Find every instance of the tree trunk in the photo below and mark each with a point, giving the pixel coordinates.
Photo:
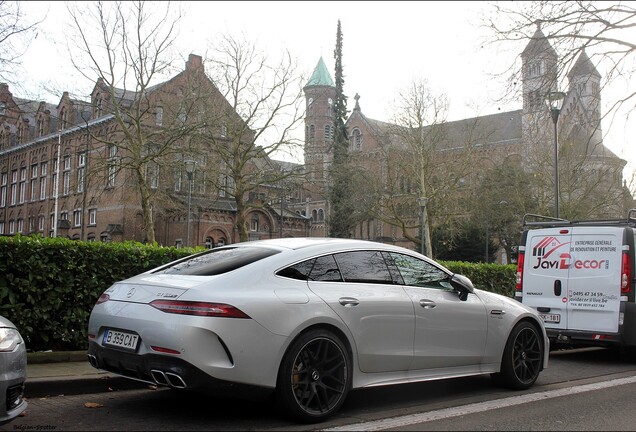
(146, 208)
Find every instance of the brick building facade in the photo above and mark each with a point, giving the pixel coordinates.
(63, 173)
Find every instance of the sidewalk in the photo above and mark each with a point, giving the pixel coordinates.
(66, 373)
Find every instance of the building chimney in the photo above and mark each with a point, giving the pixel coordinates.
(194, 62)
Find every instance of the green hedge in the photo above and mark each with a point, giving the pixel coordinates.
(496, 278)
(48, 286)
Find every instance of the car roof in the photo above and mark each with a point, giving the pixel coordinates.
(305, 242)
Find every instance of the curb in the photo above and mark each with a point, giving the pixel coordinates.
(75, 385)
(80, 383)
(56, 356)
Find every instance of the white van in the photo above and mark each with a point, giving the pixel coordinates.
(579, 276)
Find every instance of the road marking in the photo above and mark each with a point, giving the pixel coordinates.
(473, 408)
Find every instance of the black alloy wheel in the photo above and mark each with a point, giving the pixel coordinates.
(315, 376)
(522, 359)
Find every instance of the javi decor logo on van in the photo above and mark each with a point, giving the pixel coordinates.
(550, 254)
(546, 252)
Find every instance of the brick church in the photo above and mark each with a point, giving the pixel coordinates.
(522, 138)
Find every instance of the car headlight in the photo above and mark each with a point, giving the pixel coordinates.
(9, 339)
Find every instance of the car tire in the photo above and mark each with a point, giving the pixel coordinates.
(314, 376)
(522, 358)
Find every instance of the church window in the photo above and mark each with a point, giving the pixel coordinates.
(356, 140)
(535, 69)
(329, 132)
(312, 131)
(159, 116)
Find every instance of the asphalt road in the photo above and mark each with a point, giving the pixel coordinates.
(459, 404)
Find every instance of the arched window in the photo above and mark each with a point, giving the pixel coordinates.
(63, 118)
(321, 215)
(355, 142)
(159, 116)
(99, 105)
(329, 132)
(314, 216)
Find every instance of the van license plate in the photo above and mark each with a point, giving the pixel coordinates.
(551, 318)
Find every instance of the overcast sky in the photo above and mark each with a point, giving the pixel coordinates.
(386, 44)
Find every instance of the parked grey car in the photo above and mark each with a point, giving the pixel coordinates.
(13, 372)
(308, 320)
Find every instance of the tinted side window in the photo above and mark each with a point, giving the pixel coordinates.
(364, 266)
(326, 270)
(218, 261)
(417, 272)
(298, 271)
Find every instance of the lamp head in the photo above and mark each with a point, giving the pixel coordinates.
(189, 166)
(554, 100)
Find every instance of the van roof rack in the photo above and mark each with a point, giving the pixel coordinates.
(535, 220)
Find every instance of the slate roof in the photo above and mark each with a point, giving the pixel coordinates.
(495, 129)
(583, 66)
(538, 46)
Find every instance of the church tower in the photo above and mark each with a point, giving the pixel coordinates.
(320, 93)
(538, 77)
(584, 102)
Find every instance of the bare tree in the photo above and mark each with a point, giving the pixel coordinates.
(604, 30)
(265, 107)
(127, 46)
(16, 33)
(417, 134)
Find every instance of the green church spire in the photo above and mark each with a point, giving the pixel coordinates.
(320, 76)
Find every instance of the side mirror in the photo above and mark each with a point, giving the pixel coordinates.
(462, 285)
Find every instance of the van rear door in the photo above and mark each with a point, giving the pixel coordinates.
(545, 274)
(595, 279)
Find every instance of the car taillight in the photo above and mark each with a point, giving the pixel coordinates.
(519, 275)
(220, 310)
(626, 275)
(102, 299)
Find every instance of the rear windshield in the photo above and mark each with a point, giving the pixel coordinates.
(218, 261)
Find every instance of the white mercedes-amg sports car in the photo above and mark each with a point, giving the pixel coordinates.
(308, 320)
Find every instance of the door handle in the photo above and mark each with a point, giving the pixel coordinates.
(557, 288)
(428, 304)
(348, 301)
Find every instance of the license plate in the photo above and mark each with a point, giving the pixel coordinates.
(551, 318)
(121, 339)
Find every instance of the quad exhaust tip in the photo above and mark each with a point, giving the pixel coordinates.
(168, 379)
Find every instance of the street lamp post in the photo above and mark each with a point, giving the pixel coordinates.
(189, 168)
(555, 103)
